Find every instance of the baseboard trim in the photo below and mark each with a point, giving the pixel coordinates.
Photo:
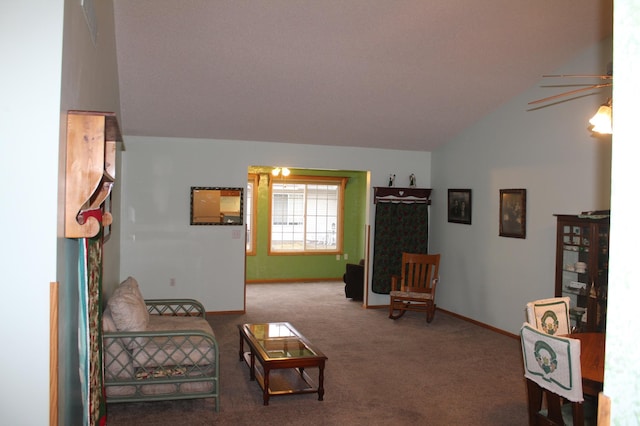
(480, 324)
(293, 280)
(377, 306)
(462, 317)
(240, 312)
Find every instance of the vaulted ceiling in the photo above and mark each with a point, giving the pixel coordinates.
(400, 74)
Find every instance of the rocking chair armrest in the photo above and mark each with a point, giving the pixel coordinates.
(434, 284)
(395, 282)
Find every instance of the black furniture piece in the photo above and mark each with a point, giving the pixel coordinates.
(354, 280)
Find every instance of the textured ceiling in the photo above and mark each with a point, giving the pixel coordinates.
(401, 74)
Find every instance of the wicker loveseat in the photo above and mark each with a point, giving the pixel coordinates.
(157, 349)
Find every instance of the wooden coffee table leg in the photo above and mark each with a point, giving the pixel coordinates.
(265, 391)
(241, 352)
(252, 366)
(321, 382)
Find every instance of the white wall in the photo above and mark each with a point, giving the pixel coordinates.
(31, 51)
(551, 154)
(622, 375)
(89, 82)
(206, 261)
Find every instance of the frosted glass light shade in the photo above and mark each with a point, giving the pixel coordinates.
(601, 121)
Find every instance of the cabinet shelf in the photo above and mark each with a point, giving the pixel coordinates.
(90, 171)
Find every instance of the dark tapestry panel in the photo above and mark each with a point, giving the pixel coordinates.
(90, 329)
(400, 227)
(97, 401)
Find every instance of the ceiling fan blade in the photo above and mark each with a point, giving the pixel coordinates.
(571, 92)
(601, 77)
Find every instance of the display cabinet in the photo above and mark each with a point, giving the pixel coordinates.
(582, 267)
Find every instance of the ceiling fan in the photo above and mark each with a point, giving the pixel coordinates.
(601, 121)
(605, 77)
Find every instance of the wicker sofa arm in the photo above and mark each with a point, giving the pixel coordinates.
(157, 349)
(179, 364)
(175, 307)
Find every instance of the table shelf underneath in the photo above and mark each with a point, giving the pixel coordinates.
(283, 381)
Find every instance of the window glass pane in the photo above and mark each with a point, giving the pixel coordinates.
(304, 216)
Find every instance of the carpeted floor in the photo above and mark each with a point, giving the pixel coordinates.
(379, 371)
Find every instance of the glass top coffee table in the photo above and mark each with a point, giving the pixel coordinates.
(282, 354)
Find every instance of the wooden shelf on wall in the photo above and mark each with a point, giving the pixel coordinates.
(90, 171)
(391, 194)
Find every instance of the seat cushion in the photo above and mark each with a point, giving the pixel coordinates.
(411, 295)
(173, 350)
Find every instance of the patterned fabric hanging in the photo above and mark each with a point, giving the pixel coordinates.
(90, 329)
(399, 227)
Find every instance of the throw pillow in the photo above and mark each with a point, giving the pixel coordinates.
(128, 311)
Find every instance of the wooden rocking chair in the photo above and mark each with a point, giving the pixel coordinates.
(415, 288)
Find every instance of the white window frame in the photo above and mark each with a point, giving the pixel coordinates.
(309, 233)
(251, 205)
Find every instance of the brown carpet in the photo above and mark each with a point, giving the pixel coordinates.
(379, 372)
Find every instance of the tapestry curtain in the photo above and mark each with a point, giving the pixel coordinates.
(90, 329)
(400, 227)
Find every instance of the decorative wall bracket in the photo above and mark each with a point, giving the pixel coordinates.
(90, 172)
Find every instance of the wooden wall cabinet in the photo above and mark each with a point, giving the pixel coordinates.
(90, 171)
(582, 267)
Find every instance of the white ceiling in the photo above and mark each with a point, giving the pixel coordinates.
(401, 74)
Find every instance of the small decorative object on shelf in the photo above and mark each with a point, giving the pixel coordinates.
(412, 180)
(392, 180)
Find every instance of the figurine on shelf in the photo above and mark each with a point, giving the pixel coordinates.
(412, 180)
(392, 180)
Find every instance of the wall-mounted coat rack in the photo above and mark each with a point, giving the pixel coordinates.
(91, 171)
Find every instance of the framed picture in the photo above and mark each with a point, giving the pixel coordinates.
(216, 206)
(460, 206)
(513, 213)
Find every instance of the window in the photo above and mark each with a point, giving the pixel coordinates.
(250, 203)
(307, 214)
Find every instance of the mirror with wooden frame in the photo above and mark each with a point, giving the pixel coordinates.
(216, 206)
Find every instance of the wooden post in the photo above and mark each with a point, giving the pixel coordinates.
(53, 354)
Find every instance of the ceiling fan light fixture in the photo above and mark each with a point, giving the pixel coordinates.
(601, 121)
(280, 170)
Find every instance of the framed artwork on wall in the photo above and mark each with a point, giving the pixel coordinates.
(513, 213)
(459, 205)
(216, 206)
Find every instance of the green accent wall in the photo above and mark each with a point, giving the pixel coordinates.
(262, 267)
